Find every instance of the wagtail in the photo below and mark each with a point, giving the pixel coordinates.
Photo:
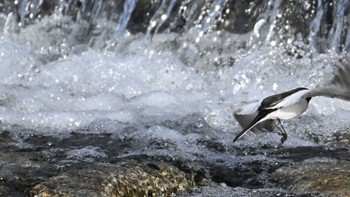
(291, 104)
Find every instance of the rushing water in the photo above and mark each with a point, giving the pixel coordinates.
(166, 75)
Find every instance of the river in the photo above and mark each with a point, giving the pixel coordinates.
(101, 93)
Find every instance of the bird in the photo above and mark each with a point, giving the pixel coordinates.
(265, 113)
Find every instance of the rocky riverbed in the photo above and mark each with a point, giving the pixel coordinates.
(91, 164)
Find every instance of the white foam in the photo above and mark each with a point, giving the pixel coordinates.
(136, 78)
(88, 153)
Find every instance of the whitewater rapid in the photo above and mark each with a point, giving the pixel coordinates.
(134, 77)
(87, 86)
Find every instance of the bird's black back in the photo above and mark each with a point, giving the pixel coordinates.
(270, 101)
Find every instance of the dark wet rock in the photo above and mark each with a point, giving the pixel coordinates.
(127, 179)
(302, 153)
(200, 173)
(328, 178)
(252, 174)
(211, 144)
(148, 180)
(82, 164)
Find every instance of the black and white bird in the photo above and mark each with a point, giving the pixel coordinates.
(263, 114)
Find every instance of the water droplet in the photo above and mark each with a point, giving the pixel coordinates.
(273, 43)
(164, 17)
(217, 8)
(274, 87)
(153, 24)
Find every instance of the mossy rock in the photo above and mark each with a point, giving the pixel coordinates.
(128, 179)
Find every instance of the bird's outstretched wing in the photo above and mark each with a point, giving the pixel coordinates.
(252, 124)
(246, 113)
(339, 85)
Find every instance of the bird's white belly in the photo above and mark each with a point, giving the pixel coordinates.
(290, 111)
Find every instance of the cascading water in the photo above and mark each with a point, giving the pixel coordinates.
(124, 18)
(110, 94)
(322, 21)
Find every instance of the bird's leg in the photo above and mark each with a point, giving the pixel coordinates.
(282, 132)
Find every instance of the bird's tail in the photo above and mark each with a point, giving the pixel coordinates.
(339, 85)
(257, 119)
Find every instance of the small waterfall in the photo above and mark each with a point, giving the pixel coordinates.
(335, 32)
(214, 16)
(28, 10)
(160, 16)
(321, 24)
(272, 19)
(315, 25)
(124, 18)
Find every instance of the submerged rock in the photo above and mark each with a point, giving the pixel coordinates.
(329, 178)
